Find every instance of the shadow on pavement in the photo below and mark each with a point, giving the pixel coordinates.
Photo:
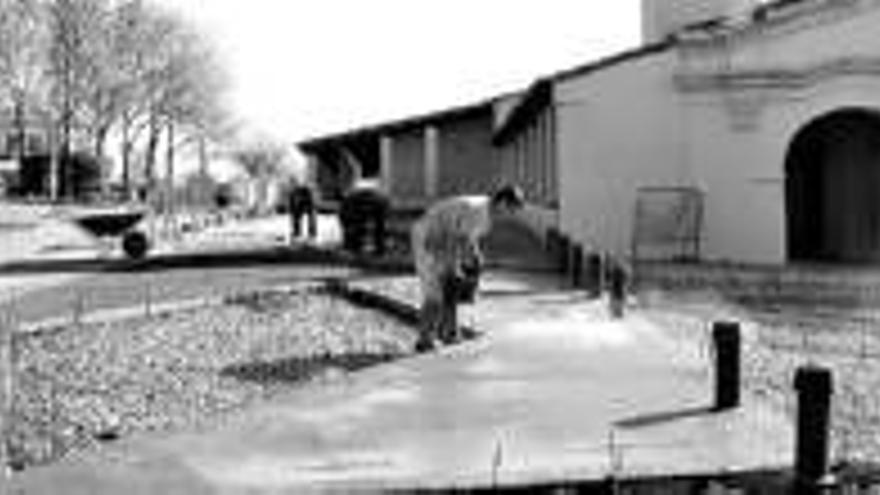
(297, 369)
(225, 259)
(653, 419)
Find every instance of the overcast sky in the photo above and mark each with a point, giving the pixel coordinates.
(302, 68)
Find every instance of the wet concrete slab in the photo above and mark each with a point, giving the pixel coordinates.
(554, 391)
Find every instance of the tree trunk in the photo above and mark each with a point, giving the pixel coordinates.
(152, 148)
(101, 141)
(54, 168)
(169, 178)
(100, 148)
(66, 128)
(169, 163)
(21, 132)
(126, 155)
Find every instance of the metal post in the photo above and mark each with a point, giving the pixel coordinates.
(726, 338)
(78, 307)
(617, 280)
(577, 265)
(148, 299)
(8, 328)
(595, 272)
(564, 252)
(550, 242)
(7, 368)
(814, 386)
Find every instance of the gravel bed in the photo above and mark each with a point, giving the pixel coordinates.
(76, 386)
(784, 337)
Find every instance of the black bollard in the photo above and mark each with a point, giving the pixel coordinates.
(563, 254)
(577, 265)
(814, 386)
(617, 289)
(595, 275)
(380, 236)
(551, 242)
(726, 339)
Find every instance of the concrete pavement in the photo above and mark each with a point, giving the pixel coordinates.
(554, 391)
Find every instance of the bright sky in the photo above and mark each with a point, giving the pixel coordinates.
(302, 68)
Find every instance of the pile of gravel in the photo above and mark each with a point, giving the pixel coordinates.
(78, 385)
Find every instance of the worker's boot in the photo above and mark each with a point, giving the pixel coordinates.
(429, 325)
(447, 320)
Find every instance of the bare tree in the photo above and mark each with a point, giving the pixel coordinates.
(77, 56)
(173, 84)
(261, 158)
(190, 102)
(23, 58)
(102, 69)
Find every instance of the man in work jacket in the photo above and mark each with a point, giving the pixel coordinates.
(445, 242)
(301, 203)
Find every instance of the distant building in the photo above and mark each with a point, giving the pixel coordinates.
(416, 160)
(259, 194)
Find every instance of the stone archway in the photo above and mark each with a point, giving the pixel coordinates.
(833, 189)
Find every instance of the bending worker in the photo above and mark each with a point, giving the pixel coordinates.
(448, 260)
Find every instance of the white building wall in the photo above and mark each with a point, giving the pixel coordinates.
(663, 17)
(741, 165)
(738, 134)
(636, 124)
(830, 31)
(617, 130)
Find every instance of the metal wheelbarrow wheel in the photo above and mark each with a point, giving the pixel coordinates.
(135, 244)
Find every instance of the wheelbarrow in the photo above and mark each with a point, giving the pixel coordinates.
(116, 223)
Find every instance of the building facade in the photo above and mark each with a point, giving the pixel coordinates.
(741, 130)
(769, 116)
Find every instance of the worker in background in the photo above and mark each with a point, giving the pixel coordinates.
(301, 203)
(448, 259)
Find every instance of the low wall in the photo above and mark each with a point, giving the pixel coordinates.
(820, 284)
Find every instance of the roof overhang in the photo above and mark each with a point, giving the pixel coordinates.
(398, 126)
(540, 95)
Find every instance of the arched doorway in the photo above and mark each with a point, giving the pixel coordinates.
(833, 189)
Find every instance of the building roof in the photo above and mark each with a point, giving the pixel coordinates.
(540, 94)
(401, 125)
(759, 17)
